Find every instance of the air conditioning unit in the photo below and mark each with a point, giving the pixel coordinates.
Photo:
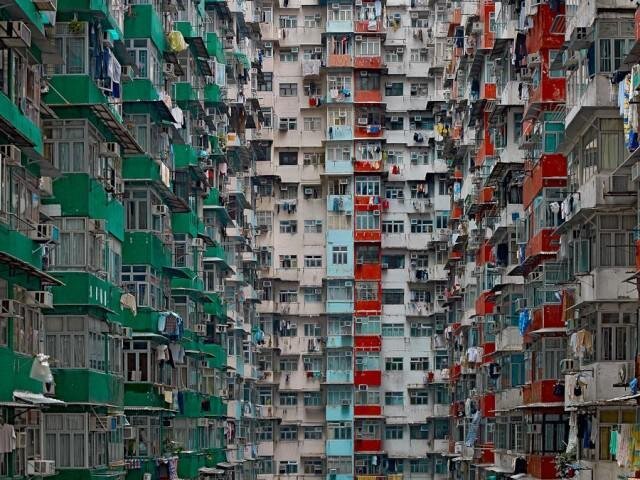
(197, 243)
(9, 308)
(266, 283)
(362, 121)
(343, 181)
(414, 256)
(169, 69)
(400, 50)
(15, 35)
(363, 388)
(130, 433)
(476, 27)
(221, 328)
(335, 6)
(359, 38)
(414, 15)
(534, 59)
(358, 3)
(42, 299)
(161, 210)
(376, 212)
(317, 50)
(385, 266)
(11, 155)
(45, 233)
(308, 191)
(110, 149)
(295, 50)
(348, 283)
(41, 468)
(103, 424)
(21, 440)
(203, 422)
(200, 328)
(346, 403)
(567, 365)
(395, 119)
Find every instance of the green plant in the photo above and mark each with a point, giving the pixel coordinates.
(76, 26)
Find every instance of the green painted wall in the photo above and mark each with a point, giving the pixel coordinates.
(144, 248)
(144, 22)
(88, 386)
(15, 374)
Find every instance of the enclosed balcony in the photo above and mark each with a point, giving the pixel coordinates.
(368, 403)
(368, 436)
(369, 123)
(368, 332)
(368, 19)
(368, 52)
(549, 171)
(368, 369)
(339, 51)
(368, 87)
(367, 224)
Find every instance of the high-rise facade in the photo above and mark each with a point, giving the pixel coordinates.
(542, 296)
(351, 210)
(127, 220)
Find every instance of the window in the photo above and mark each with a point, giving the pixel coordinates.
(339, 361)
(288, 467)
(143, 282)
(393, 364)
(265, 82)
(73, 49)
(342, 465)
(288, 21)
(442, 219)
(419, 363)
(312, 21)
(394, 398)
(288, 123)
(339, 254)
(420, 296)
(288, 261)
(393, 432)
(312, 399)
(393, 262)
(420, 330)
(288, 398)
(339, 431)
(421, 225)
(367, 361)
(394, 89)
(421, 431)
(419, 55)
(313, 433)
(312, 124)
(394, 123)
(267, 122)
(366, 291)
(288, 226)
(288, 364)
(367, 186)
(611, 53)
(288, 296)
(72, 341)
(313, 261)
(419, 89)
(615, 335)
(393, 296)
(393, 226)
(79, 248)
(287, 55)
(65, 440)
(369, 325)
(288, 89)
(289, 433)
(394, 55)
(393, 330)
(368, 47)
(421, 465)
(264, 465)
(340, 291)
(264, 218)
(367, 220)
(313, 158)
(288, 158)
(313, 226)
(616, 232)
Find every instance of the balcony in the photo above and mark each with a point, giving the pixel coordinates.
(366, 341)
(339, 376)
(339, 447)
(549, 171)
(368, 96)
(540, 393)
(373, 378)
(369, 131)
(367, 235)
(485, 304)
(340, 204)
(340, 133)
(367, 271)
(548, 90)
(368, 61)
(543, 244)
(368, 445)
(335, 60)
(339, 26)
(367, 410)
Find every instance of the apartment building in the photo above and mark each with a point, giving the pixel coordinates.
(542, 297)
(351, 208)
(128, 325)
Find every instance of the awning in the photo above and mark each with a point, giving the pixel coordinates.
(210, 471)
(497, 469)
(624, 398)
(225, 465)
(243, 59)
(540, 405)
(36, 398)
(542, 331)
(28, 269)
